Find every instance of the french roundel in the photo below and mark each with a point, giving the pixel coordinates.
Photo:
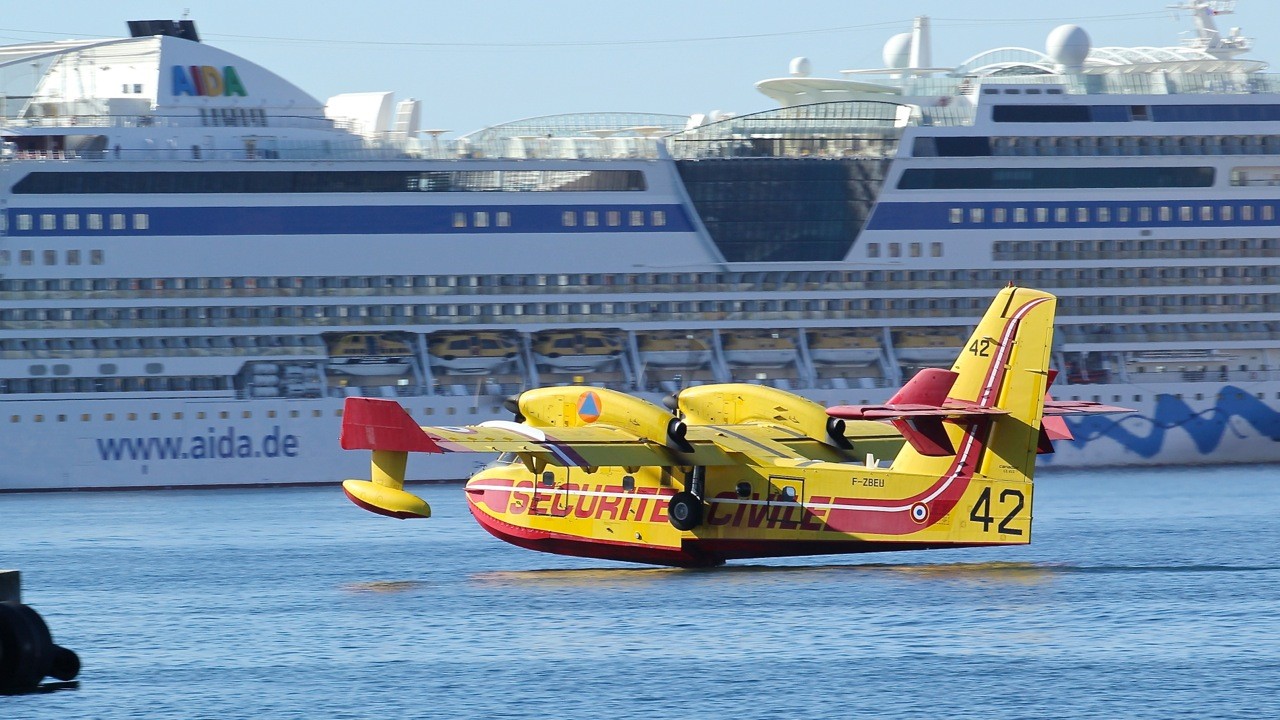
(589, 406)
(919, 512)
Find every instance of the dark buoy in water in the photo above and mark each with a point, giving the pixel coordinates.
(27, 652)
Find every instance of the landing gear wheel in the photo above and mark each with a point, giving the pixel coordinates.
(684, 511)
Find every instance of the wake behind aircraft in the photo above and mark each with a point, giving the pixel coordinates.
(744, 471)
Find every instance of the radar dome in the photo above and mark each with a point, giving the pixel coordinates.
(897, 51)
(800, 67)
(1068, 45)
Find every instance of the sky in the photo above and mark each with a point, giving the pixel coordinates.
(475, 64)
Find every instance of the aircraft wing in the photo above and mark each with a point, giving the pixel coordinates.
(375, 424)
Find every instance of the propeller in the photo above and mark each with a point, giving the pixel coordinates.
(512, 405)
(672, 402)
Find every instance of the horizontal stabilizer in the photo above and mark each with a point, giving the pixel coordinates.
(1080, 407)
(950, 409)
(928, 387)
(373, 424)
(926, 435)
(1056, 428)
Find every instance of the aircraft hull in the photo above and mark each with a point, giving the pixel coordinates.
(593, 516)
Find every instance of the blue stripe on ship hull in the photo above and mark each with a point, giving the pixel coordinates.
(937, 215)
(351, 220)
(1145, 436)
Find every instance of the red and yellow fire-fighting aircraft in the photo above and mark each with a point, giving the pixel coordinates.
(744, 471)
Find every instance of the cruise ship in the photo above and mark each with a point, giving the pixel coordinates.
(199, 260)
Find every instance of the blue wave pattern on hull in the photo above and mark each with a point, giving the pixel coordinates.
(1206, 428)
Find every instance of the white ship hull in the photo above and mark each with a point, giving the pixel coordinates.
(182, 267)
(295, 441)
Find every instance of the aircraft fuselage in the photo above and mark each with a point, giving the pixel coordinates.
(749, 511)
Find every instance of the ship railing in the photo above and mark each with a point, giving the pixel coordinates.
(1150, 83)
(268, 123)
(338, 150)
(751, 314)
(1210, 374)
(71, 354)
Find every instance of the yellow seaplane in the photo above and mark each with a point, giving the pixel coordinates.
(741, 471)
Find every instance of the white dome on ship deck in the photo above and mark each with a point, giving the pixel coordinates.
(800, 67)
(1068, 45)
(897, 51)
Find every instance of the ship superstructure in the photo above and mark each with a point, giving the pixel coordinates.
(200, 260)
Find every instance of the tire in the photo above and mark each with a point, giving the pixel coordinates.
(684, 510)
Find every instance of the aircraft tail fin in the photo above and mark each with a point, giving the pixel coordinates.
(994, 395)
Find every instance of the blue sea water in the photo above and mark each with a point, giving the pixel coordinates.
(1145, 594)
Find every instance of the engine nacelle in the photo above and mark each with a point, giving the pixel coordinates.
(740, 404)
(577, 406)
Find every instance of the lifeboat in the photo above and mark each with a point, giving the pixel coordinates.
(577, 350)
(759, 348)
(674, 348)
(843, 346)
(927, 347)
(369, 354)
(472, 353)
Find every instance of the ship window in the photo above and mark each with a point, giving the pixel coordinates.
(1246, 212)
(658, 218)
(117, 221)
(1268, 212)
(71, 221)
(1082, 214)
(998, 214)
(26, 257)
(50, 257)
(481, 219)
(141, 221)
(873, 250)
(590, 218)
(24, 221)
(975, 215)
(48, 221)
(1122, 214)
(459, 220)
(502, 219)
(1184, 213)
(1225, 212)
(1060, 215)
(4, 257)
(636, 218)
(895, 249)
(613, 218)
(1166, 213)
(957, 215)
(1042, 214)
(935, 249)
(916, 249)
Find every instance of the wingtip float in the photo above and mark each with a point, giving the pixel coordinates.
(743, 471)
